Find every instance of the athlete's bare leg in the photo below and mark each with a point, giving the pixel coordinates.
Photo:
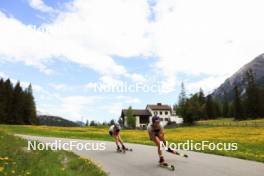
(157, 142)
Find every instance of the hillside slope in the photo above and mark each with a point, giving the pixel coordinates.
(257, 65)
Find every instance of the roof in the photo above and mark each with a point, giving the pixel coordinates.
(138, 112)
(159, 106)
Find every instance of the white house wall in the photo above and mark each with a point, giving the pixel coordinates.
(163, 116)
(137, 121)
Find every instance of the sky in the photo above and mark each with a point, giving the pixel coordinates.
(89, 59)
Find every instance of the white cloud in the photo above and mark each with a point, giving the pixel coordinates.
(40, 5)
(89, 34)
(187, 36)
(118, 103)
(207, 84)
(138, 78)
(76, 106)
(60, 87)
(104, 83)
(215, 38)
(128, 99)
(3, 75)
(70, 107)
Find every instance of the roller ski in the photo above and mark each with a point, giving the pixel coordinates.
(167, 166)
(123, 150)
(120, 151)
(177, 153)
(163, 164)
(128, 149)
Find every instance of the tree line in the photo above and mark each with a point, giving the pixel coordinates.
(245, 104)
(17, 105)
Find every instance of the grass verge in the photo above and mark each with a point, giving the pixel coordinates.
(16, 160)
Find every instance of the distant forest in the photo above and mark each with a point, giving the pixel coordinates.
(246, 104)
(17, 105)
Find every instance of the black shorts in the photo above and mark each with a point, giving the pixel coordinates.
(156, 133)
(111, 133)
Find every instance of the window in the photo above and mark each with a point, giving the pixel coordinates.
(166, 119)
(160, 112)
(166, 112)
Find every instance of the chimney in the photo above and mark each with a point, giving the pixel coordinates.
(159, 104)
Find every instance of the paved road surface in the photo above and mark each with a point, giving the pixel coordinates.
(143, 161)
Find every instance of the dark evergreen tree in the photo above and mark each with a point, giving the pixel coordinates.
(181, 102)
(30, 114)
(261, 101)
(7, 99)
(131, 120)
(231, 109)
(93, 123)
(2, 102)
(217, 108)
(87, 123)
(252, 99)
(17, 105)
(210, 107)
(238, 109)
(202, 99)
(225, 106)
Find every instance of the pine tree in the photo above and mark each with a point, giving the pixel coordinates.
(210, 107)
(217, 108)
(17, 105)
(231, 109)
(93, 123)
(182, 96)
(238, 109)
(131, 120)
(7, 99)
(2, 102)
(30, 114)
(252, 99)
(261, 101)
(181, 102)
(87, 123)
(225, 106)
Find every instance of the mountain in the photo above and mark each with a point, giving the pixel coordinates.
(55, 121)
(257, 65)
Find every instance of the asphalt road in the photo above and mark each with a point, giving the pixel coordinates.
(143, 161)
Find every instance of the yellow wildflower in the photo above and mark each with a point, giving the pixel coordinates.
(1, 169)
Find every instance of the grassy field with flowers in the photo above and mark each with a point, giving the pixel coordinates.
(250, 140)
(16, 160)
(232, 122)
